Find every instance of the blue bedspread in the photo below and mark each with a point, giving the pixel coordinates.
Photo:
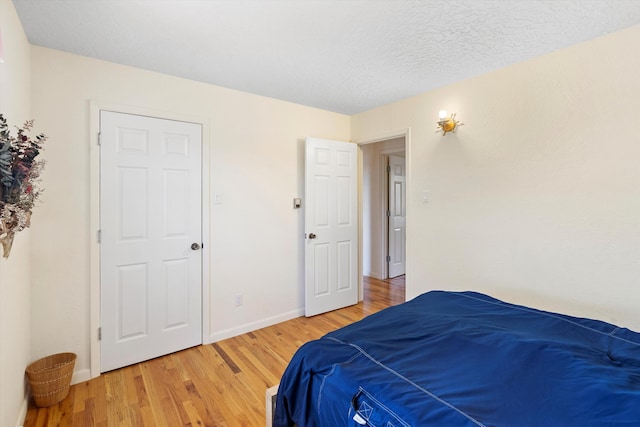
(464, 359)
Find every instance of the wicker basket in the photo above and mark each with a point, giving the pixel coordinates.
(50, 378)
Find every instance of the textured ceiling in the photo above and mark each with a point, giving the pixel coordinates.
(345, 56)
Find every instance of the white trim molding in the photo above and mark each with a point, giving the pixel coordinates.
(253, 326)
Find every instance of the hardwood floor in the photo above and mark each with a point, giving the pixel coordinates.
(220, 384)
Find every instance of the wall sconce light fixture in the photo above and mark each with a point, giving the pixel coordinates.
(447, 124)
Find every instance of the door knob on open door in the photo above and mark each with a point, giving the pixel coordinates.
(312, 236)
(195, 246)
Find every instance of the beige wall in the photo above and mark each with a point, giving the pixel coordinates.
(14, 271)
(255, 155)
(536, 199)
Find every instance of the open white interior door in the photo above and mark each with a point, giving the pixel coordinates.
(397, 216)
(331, 225)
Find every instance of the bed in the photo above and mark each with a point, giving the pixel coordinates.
(464, 359)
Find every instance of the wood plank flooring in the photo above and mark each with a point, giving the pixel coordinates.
(220, 384)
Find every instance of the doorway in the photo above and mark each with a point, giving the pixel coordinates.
(375, 205)
(96, 107)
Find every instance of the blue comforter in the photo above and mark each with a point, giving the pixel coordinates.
(464, 359)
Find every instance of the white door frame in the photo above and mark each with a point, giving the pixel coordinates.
(94, 214)
(400, 133)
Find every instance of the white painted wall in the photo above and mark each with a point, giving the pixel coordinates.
(14, 271)
(373, 189)
(536, 199)
(256, 164)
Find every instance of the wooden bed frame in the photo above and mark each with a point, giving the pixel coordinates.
(270, 404)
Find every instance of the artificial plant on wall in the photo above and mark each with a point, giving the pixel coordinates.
(19, 180)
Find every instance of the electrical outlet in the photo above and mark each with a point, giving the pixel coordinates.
(238, 300)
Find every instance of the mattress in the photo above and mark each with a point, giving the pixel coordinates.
(464, 359)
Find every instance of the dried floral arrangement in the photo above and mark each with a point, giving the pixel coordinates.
(19, 180)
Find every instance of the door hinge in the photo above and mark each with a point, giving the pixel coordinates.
(388, 213)
(99, 138)
(99, 236)
(388, 168)
(388, 258)
(100, 333)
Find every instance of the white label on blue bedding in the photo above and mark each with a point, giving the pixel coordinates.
(357, 418)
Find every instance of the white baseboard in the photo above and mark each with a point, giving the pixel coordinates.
(249, 327)
(80, 376)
